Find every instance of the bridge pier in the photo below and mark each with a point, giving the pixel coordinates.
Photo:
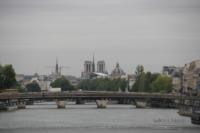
(80, 101)
(185, 108)
(60, 104)
(21, 104)
(101, 103)
(11, 105)
(124, 101)
(140, 103)
(29, 102)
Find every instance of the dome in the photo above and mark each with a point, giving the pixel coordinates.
(117, 72)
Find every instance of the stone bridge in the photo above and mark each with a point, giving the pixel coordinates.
(101, 98)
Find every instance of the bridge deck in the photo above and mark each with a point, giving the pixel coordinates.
(93, 95)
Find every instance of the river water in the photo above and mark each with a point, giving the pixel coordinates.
(46, 118)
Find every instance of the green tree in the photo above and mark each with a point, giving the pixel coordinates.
(62, 83)
(123, 84)
(139, 70)
(1, 78)
(147, 82)
(140, 79)
(149, 78)
(162, 84)
(7, 77)
(103, 84)
(143, 80)
(33, 87)
(20, 88)
(141, 86)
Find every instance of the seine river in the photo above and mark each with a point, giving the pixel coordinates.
(46, 118)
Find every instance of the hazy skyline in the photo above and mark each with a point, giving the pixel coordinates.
(149, 32)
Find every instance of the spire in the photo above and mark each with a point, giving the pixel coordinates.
(57, 71)
(93, 64)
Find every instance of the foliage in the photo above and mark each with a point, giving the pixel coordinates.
(33, 87)
(123, 84)
(162, 84)
(147, 82)
(138, 86)
(20, 88)
(7, 77)
(103, 84)
(139, 70)
(144, 81)
(149, 78)
(62, 83)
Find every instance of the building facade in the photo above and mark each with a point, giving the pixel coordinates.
(90, 72)
(89, 68)
(185, 79)
(101, 65)
(191, 77)
(176, 74)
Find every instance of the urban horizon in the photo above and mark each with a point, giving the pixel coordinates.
(100, 66)
(49, 69)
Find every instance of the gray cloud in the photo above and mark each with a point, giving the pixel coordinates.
(153, 33)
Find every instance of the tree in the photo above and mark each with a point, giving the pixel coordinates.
(7, 77)
(20, 88)
(123, 84)
(1, 78)
(149, 78)
(62, 83)
(103, 84)
(140, 79)
(33, 87)
(143, 80)
(162, 84)
(147, 82)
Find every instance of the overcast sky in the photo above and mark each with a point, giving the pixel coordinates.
(149, 32)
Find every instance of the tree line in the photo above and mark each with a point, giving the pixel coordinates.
(105, 84)
(144, 82)
(151, 82)
(61, 82)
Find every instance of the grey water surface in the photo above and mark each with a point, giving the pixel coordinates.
(46, 118)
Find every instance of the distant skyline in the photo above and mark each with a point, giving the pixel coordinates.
(153, 33)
